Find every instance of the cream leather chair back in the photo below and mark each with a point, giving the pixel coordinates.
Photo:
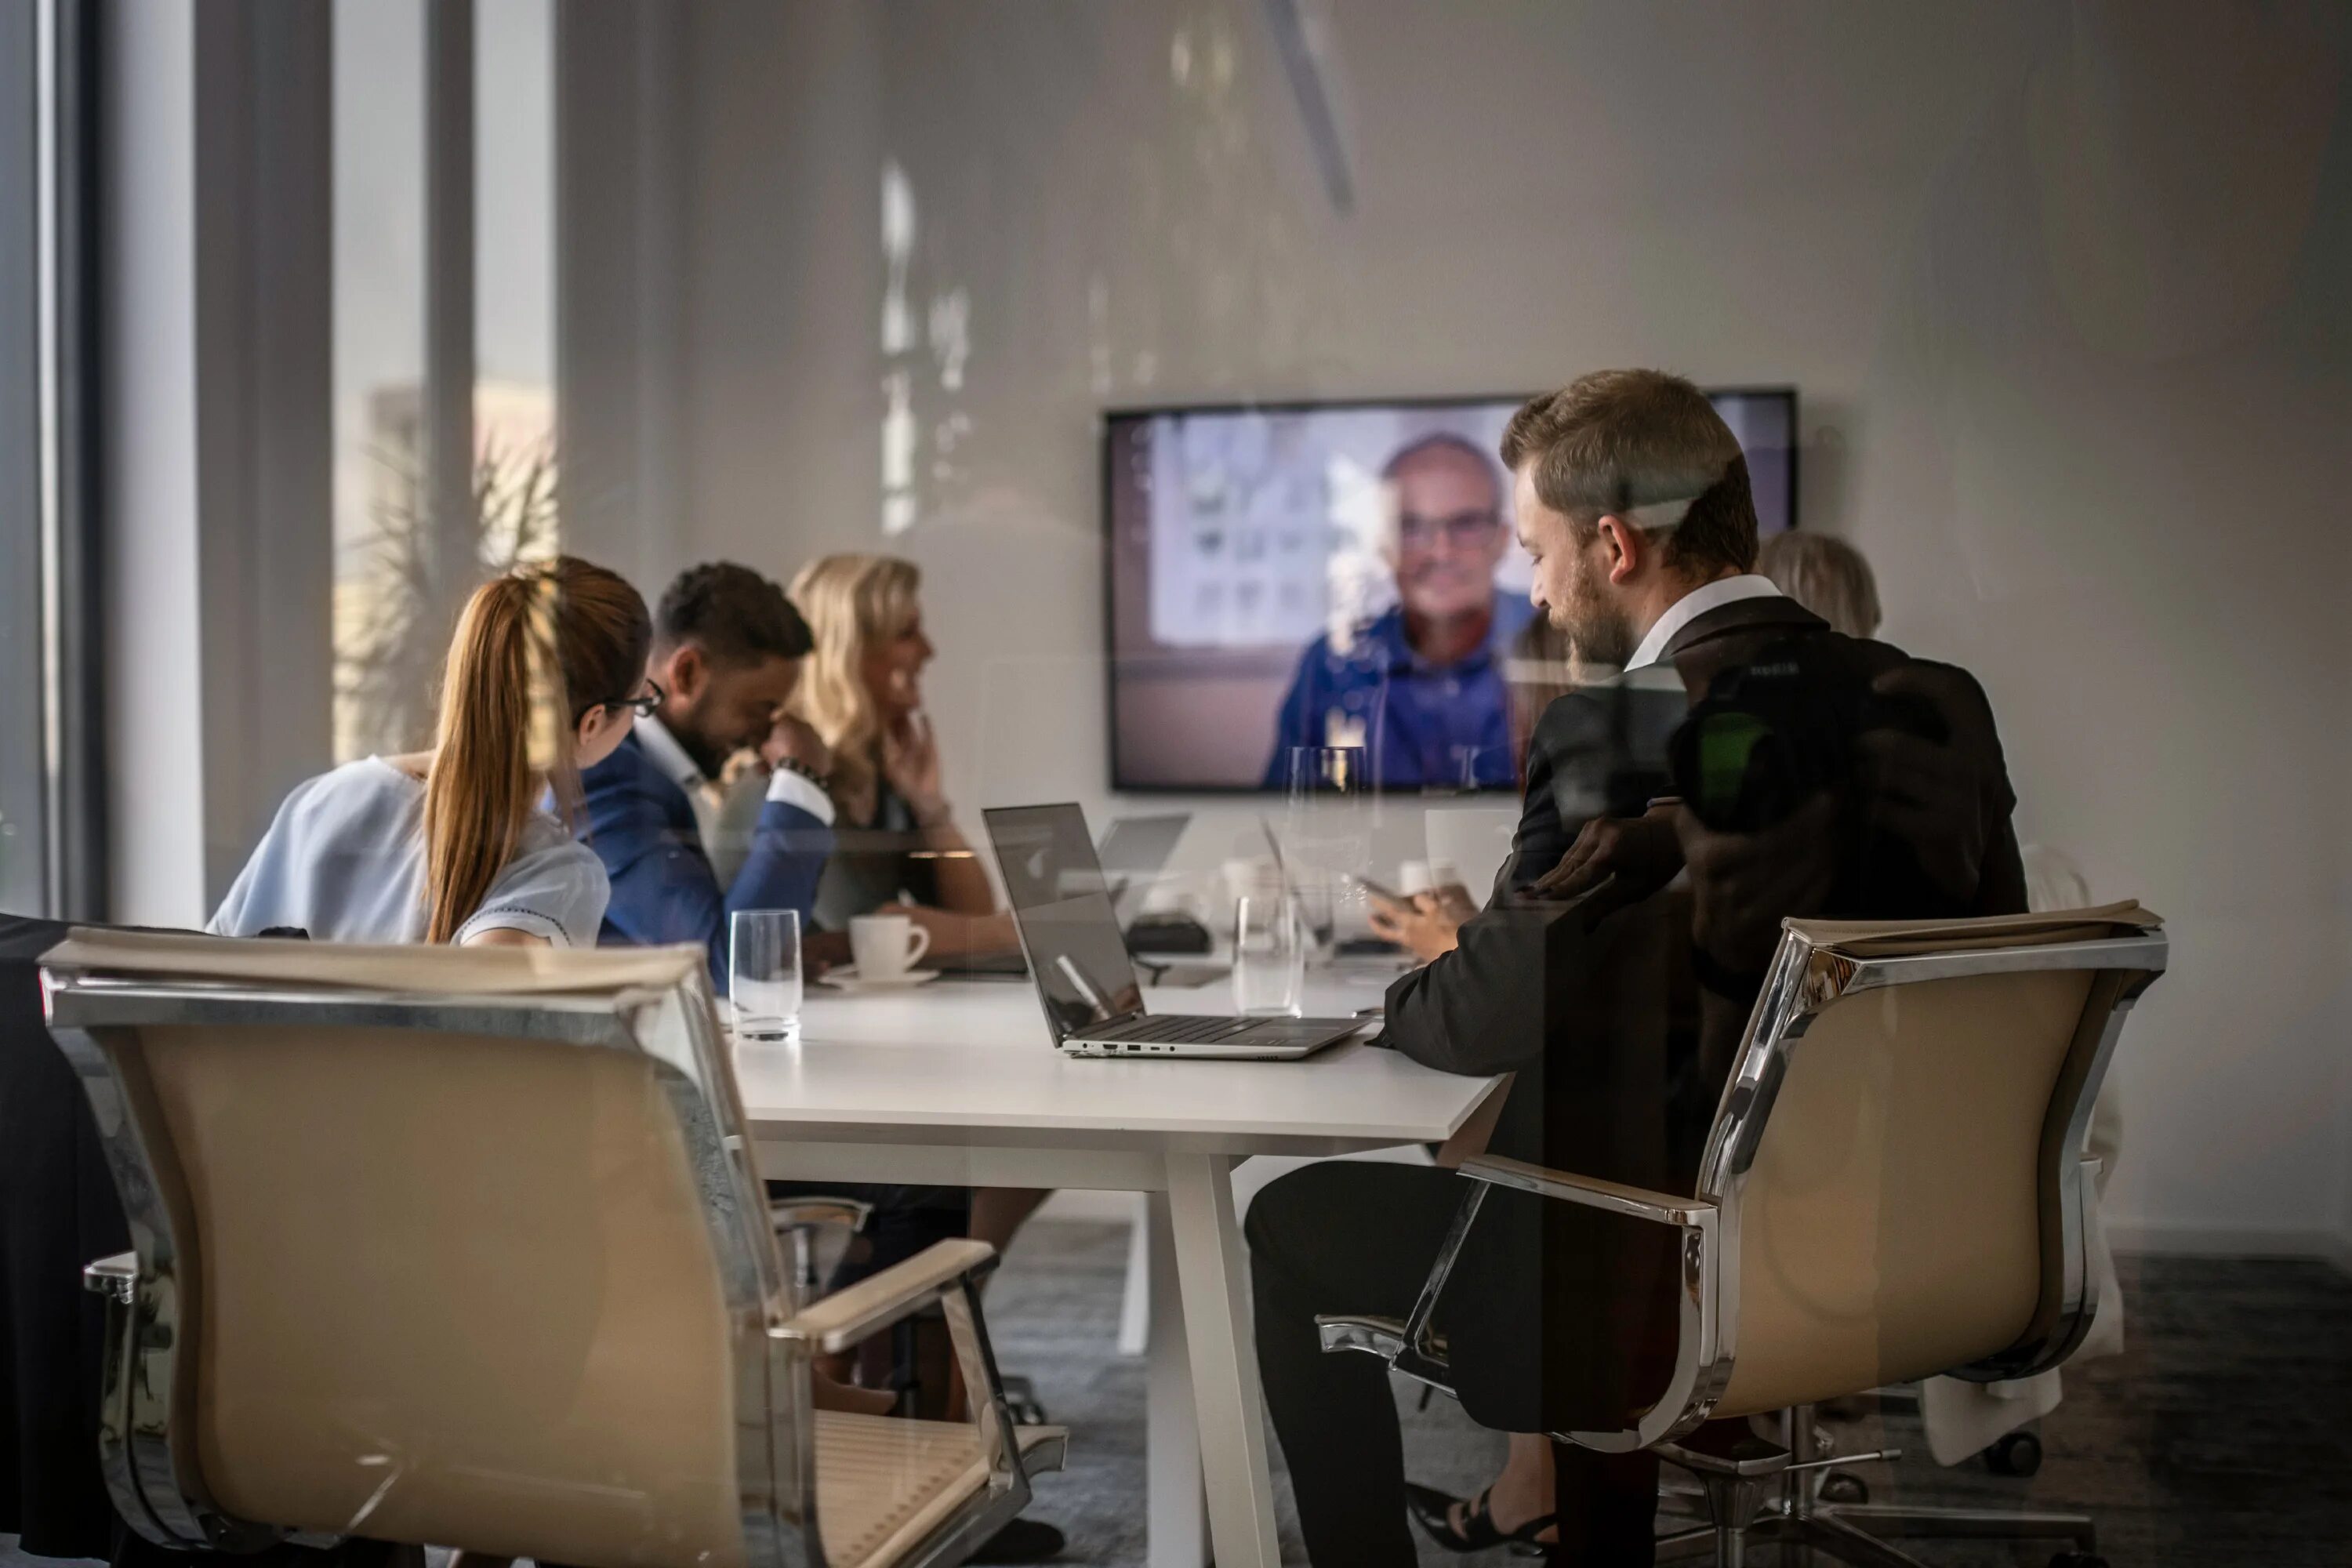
(451, 1246)
(1897, 1161)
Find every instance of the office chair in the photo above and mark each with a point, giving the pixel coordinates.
(466, 1246)
(1893, 1186)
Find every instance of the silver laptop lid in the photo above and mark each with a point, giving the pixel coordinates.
(1077, 956)
(1134, 849)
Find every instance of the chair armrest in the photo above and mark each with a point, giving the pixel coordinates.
(846, 1317)
(1641, 1203)
(116, 1277)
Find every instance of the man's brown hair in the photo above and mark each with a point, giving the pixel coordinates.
(1617, 442)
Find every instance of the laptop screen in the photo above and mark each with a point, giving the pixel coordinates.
(1061, 904)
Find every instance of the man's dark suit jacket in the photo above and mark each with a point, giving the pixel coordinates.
(1599, 1013)
(642, 828)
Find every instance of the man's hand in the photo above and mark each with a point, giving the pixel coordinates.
(1641, 852)
(1743, 885)
(1426, 925)
(824, 950)
(790, 738)
(1931, 795)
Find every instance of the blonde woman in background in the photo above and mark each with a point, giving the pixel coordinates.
(896, 848)
(1826, 576)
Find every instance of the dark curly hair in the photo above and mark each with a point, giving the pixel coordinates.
(732, 613)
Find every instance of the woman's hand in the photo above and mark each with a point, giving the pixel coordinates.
(1427, 924)
(910, 761)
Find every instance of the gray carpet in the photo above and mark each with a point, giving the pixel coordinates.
(2219, 1437)
(2222, 1435)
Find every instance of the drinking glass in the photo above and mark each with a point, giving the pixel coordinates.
(1327, 831)
(1269, 955)
(763, 973)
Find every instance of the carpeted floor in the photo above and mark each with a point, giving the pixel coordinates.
(2220, 1438)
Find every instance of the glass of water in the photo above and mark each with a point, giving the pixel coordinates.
(1328, 832)
(763, 973)
(1269, 956)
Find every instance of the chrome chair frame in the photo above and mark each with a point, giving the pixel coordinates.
(147, 1456)
(1805, 979)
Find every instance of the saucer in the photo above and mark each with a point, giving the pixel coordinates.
(846, 978)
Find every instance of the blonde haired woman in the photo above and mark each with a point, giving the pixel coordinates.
(896, 849)
(1826, 576)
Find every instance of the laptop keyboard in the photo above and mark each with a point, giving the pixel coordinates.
(1191, 1029)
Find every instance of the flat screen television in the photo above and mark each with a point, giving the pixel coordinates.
(1262, 562)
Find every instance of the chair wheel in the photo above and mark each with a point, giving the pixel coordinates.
(1021, 1404)
(2078, 1560)
(1840, 1486)
(2018, 1454)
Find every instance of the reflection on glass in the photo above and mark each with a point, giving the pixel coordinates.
(378, 375)
(392, 599)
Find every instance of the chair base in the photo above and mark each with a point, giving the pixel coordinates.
(1853, 1534)
(1758, 1502)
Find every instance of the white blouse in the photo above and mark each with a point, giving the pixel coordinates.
(345, 861)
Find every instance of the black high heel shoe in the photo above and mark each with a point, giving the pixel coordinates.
(1432, 1511)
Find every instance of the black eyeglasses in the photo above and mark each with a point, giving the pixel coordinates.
(1461, 531)
(645, 701)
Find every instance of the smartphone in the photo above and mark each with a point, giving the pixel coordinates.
(1388, 894)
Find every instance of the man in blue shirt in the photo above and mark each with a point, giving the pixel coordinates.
(1421, 686)
(726, 654)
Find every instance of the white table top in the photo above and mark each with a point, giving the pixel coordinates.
(974, 1056)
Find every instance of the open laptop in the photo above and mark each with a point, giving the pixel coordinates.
(1078, 961)
(1134, 850)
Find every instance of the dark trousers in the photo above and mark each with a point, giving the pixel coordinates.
(1358, 1238)
(905, 1221)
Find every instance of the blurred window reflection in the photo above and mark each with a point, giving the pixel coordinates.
(391, 599)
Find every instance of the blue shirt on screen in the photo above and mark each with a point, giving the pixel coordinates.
(1426, 725)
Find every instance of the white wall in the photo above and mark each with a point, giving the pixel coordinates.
(2062, 290)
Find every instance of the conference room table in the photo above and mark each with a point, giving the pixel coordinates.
(958, 1083)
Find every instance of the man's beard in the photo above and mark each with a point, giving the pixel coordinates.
(1601, 633)
(707, 754)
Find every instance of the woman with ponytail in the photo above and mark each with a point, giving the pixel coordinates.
(454, 845)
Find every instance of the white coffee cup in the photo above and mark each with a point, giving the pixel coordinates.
(886, 946)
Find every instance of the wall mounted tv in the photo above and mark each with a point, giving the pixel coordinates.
(1268, 586)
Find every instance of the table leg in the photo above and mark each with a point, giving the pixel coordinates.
(1176, 1520)
(1214, 1281)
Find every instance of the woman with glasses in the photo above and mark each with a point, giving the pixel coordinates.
(545, 675)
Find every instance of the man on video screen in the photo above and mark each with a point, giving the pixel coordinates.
(1421, 686)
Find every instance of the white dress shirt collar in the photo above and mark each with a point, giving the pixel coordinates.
(667, 754)
(1691, 606)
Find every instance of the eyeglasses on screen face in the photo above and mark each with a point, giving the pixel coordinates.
(1461, 529)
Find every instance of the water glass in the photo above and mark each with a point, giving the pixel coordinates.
(1328, 830)
(763, 973)
(1269, 956)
